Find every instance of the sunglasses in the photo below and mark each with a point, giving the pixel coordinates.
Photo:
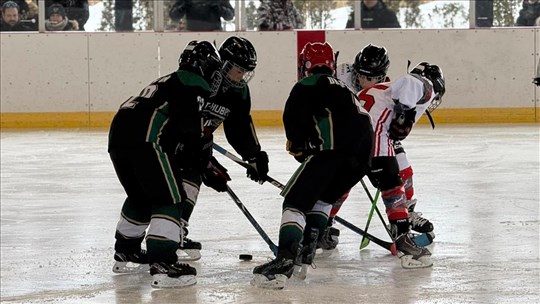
(10, 4)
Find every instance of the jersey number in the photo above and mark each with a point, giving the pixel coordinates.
(367, 101)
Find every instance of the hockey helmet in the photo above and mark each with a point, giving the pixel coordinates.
(201, 57)
(316, 55)
(436, 76)
(239, 53)
(372, 62)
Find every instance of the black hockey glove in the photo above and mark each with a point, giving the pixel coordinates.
(402, 123)
(259, 167)
(215, 176)
(536, 81)
(300, 152)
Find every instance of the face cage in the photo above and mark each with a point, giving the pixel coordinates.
(356, 79)
(215, 83)
(434, 103)
(233, 83)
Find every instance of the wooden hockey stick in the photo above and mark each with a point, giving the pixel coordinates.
(252, 220)
(386, 245)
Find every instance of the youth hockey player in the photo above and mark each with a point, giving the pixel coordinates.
(145, 134)
(230, 106)
(330, 133)
(395, 107)
(370, 68)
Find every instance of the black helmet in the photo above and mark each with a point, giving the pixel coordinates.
(435, 75)
(201, 57)
(372, 61)
(238, 52)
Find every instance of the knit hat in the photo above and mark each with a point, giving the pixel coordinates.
(56, 9)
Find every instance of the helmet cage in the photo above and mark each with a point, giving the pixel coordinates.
(227, 67)
(356, 78)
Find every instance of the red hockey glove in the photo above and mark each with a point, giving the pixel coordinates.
(402, 123)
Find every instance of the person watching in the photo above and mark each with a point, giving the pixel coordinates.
(375, 14)
(11, 18)
(202, 15)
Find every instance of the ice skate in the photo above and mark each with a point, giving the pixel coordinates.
(131, 263)
(172, 275)
(329, 239)
(412, 256)
(274, 274)
(306, 256)
(189, 250)
(423, 239)
(417, 222)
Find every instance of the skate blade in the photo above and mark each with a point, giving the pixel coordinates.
(408, 262)
(300, 272)
(129, 267)
(164, 281)
(185, 255)
(262, 281)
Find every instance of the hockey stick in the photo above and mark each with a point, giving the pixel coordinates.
(365, 241)
(252, 220)
(387, 245)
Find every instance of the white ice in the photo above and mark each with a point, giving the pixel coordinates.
(478, 184)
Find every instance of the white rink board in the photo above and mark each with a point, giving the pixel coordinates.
(121, 65)
(44, 73)
(485, 68)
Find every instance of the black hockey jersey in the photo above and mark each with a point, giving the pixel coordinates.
(232, 106)
(321, 113)
(166, 113)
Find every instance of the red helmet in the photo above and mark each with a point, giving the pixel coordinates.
(315, 55)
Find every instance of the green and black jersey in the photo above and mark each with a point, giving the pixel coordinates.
(166, 112)
(321, 113)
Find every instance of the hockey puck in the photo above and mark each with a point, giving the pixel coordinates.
(246, 257)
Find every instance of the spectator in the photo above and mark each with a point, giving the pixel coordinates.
(57, 20)
(278, 15)
(11, 21)
(23, 7)
(375, 14)
(529, 13)
(202, 15)
(75, 10)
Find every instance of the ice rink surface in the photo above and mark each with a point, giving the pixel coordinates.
(478, 184)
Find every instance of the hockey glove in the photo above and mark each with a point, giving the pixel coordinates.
(259, 167)
(215, 176)
(300, 153)
(402, 123)
(536, 81)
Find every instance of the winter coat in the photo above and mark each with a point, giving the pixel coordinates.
(379, 16)
(529, 13)
(202, 15)
(75, 10)
(278, 15)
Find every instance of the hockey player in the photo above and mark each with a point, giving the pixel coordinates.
(230, 106)
(395, 107)
(331, 135)
(145, 134)
(370, 68)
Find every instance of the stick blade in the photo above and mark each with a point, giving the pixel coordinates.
(364, 243)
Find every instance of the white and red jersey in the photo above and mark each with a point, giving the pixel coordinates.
(412, 91)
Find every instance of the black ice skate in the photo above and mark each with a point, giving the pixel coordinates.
(131, 262)
(412, 255)
(329, 239)
(306, 256)
(417, 222)
(274, 274)
(188, 249)
(172, 275)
